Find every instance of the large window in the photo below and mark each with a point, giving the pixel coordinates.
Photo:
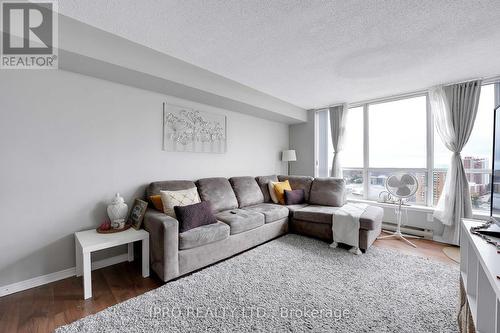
(398, 135)
(398, 143)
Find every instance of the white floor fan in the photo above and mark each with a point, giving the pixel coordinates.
(401, 187)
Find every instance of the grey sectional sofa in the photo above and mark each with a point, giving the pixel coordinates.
(246, 218)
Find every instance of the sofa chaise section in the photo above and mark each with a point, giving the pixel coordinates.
(325, 197)
(316, 221)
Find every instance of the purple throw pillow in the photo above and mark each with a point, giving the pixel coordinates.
(294, 197)
(193, 216)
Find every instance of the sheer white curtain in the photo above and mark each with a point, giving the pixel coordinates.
(338, 118)
(454, 108)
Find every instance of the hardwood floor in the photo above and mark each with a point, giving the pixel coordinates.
(47, 307)
(425, 248)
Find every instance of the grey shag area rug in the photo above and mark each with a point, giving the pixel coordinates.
(295, 284)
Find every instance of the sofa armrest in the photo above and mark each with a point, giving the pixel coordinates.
(164, 239)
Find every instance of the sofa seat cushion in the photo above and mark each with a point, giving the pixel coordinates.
(293, 208)
(203, 235)
(315, 213)
(240, 220)
(371, 219)
(271, 212)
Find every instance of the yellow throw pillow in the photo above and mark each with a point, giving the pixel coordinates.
(279, 189)
(157, 203)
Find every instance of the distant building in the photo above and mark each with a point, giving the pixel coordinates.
(378, 180)
(420, 195)
(438, 181)
(481, 180)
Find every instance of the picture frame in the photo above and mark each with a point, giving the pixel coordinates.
(137, 213)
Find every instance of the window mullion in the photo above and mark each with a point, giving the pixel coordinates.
(430, 154)
(366, 142)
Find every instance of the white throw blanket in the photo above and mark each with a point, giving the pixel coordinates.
(345, 225)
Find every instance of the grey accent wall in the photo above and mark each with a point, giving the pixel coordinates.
(68, 142)
(302, 140)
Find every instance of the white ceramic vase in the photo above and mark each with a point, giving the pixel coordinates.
(117, 209)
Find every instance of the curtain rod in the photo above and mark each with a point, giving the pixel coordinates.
(486, 80)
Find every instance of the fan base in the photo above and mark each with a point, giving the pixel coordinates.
(399, 235)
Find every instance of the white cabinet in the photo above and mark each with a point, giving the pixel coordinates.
(479, 268)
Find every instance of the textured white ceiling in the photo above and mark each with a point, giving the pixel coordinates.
(314, 53)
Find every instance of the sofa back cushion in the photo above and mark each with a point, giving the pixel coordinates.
(263, 182)
(247, 191)
(328, 192)
(219, 192)
(169, 185)
(299, 182)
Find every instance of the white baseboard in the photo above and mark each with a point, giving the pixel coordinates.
(56, 276)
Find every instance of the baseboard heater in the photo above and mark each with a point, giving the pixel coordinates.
(424, 233)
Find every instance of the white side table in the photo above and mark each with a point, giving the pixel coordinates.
(89, 241)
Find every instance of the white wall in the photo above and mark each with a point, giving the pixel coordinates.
(95, 52)
(68, 142)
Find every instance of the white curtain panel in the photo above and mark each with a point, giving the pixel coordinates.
(454, 108)
(338, 117)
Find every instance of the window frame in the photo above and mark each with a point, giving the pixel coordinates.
(366, 146)
(429, 169)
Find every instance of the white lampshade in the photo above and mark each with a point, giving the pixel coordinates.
(288, 155)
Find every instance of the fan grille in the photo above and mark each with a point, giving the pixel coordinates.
(402, 185)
